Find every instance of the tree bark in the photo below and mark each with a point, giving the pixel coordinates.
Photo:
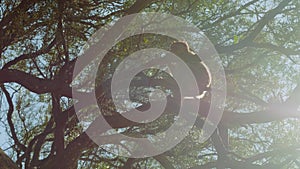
(6, 162)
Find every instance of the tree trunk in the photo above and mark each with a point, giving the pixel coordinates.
(6, 162)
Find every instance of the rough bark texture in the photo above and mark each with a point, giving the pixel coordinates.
(6, 162)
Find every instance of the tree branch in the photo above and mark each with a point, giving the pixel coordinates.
(35, 84)
(253, 34)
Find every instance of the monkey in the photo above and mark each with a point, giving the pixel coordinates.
(196, 65)
(203, 77)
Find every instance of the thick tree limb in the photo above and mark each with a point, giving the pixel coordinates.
(6, 162)
(35, 84)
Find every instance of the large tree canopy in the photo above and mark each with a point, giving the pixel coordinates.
(258, 42)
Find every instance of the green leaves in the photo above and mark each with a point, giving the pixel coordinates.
(235, 39)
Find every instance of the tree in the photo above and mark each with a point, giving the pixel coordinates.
(258, 43)
(6, 162)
